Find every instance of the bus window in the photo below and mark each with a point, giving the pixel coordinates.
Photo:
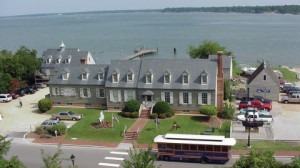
(209, 148)
(201, 147)
(224, 148)
(193, 147)
(185, 147)
(217, 148)
(169, 146)
(161, 146)
(178, 146)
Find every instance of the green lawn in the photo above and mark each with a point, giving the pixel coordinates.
(188, 125)
(84, 131)
(287, 75)
(268, 145)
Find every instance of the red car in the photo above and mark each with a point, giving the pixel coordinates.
(14, 95)
(255, 104)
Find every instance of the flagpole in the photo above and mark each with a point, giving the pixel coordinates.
(112, 120)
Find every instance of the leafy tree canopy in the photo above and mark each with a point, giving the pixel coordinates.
(205, 49)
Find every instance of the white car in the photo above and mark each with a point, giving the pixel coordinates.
(5, 98)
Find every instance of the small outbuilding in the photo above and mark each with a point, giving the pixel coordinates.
(264, 82)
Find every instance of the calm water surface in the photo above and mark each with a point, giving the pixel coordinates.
(251, 37)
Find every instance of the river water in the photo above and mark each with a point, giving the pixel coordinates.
(109, 36)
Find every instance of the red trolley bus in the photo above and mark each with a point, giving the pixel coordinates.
(197, 148)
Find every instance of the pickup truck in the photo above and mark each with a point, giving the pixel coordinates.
(255, 117)
(251, 109)
(255, 104)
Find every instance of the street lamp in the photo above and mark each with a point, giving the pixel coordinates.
(72, 159)
(249, 128)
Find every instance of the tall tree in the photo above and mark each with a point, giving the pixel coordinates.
(205, 49)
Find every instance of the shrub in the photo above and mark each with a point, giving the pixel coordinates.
(168, 114)
(208, 110)
(228, 111)
(161, 107)
(45, 104)
(132, 106)
(126, 114)
(60, 128)
(153, 116)
(162, 115)
(40, 130)
(134, 115)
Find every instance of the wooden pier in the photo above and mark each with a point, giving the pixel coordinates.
(140, 54)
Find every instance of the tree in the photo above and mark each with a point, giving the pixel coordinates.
(140, 158)
(205, 49)
(13, 161)
(208, 110)
(45, 104)
(53, 161)
(228, 111)
(257, 159)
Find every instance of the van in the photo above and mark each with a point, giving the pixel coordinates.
(5, 98)
(294, 98)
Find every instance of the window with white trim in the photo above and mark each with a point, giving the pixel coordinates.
(185, 97)
(68, 91)
(129, 77)
(84, 76)
(65, 76)
(204, 98)
(55, 91)
(115, 95)
(67, 61)
(100, 76)
(148, 78)
(115, 78)
(100, 93)
(204, 79)
(57, 61)
(129, 95)
(48, 60)
(167, 97)
(85, 92)
(185, 79)
(167, 78)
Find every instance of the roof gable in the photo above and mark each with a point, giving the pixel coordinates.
(263, 67)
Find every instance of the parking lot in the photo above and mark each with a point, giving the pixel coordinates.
(285, 124)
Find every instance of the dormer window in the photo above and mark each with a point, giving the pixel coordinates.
(85, 76)
(185, 78)
(48, 60)
(115, 76)
(65, 76)
(167, 77)
(68, 60)
(57, 61)
(149, 77)
(130, 76)
(204, 79)
(100, 76)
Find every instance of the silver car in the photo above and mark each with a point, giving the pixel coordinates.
(67, 115)
(50, 123)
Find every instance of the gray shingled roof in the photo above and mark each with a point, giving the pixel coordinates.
(123, 67)
(75, 54)
(176, 67)
(76, 71)
(268, 69)
(226, 60)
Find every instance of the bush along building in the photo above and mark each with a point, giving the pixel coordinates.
(185, 84)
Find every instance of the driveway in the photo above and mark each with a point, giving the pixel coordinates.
(17, 120)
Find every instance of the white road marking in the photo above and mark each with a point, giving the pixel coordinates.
(114, 158)
(119, 153)
(109, 164)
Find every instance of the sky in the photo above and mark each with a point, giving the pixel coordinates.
(25, 7)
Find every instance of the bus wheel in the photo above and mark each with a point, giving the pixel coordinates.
(203, 160)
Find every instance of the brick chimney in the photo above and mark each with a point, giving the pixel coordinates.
(220, 82)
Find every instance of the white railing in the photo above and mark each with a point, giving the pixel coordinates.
(138, 131)
(152, 108)
(124, 131)
(140, 109)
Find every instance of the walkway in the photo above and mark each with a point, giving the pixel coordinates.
(140, 54)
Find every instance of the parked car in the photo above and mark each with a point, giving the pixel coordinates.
(255, 117)
(5, 98)
(67, 115)
(255, 104)
(262, 99)
(40, 85)
(50, 123)
(287, 86)
(292, 89)
(28, 90)
(14, 95)
(294, 98)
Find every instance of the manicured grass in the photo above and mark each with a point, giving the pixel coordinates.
(83, 129)
(287, 75)
(188, 125)
(268, 145)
